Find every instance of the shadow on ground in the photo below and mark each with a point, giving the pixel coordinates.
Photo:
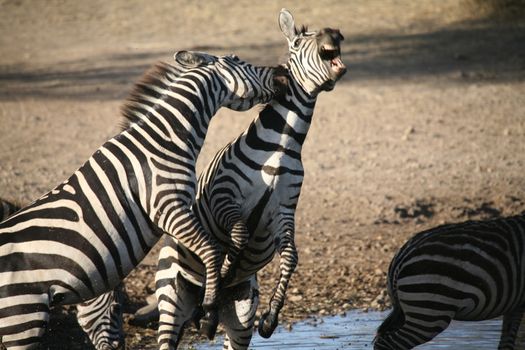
(479, 50)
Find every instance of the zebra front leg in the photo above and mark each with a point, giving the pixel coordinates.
(23, 321)
(510, 328)
(101, 319)
(288, 263)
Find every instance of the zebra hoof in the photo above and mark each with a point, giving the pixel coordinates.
(209, 323)
(121, 345)
(145, 316)
(267, 324)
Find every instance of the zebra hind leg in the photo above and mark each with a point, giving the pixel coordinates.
(287, 264)
(237, 314)
(394, 320)
(177, 299)
(209, 322)
(148, 314)
(101, 319)
(509, 331)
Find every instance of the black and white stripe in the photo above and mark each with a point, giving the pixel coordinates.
(81, 239)
(469, 271)
(100, 318)
(247, 198)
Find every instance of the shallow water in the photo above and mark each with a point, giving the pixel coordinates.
(356, 330)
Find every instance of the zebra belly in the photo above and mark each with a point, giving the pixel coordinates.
(177, 259)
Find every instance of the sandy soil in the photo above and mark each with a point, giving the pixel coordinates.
(427, 126)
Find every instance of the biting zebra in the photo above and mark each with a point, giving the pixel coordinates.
(469, 271)
(247, 198)
(81, 239)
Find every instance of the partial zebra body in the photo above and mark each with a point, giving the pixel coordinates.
(247, 198)
(101, 317)
(81, 239)
(7, 209)
(470, 271)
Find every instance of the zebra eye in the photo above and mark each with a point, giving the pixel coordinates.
(296, 42)
(328, 54)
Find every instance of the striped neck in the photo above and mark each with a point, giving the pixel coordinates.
(307, 86)
(286, 120)
(176, 105)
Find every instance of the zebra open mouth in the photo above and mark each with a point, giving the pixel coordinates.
(337, 70)
(337, 66)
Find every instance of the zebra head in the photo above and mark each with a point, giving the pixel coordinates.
(245, 85)
(101, 319)
(315, 57)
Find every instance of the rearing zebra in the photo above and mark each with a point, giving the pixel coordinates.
(82, 238)
(247, 198)
(469, 271)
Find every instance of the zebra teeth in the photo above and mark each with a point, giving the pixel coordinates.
(338, 66)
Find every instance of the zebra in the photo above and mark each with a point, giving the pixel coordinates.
(468, 271)
(247, 197)
(7, 208)
(102, 321)
(82, 238)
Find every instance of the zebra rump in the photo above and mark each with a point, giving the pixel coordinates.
(469, 271)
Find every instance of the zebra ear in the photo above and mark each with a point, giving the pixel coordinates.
(193, 59)
(287, 24)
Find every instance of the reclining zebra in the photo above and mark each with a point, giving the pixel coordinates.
(247, 198)
(7, 209)
(81, 239)
(469, 271)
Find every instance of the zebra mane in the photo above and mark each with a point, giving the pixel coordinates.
(303, 30)
(159, 74)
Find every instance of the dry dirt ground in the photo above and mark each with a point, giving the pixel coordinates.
(427, 126)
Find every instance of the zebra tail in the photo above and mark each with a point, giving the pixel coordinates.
(396, 317)
(394, 320)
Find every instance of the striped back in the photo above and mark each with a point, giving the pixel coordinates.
(468, 271)
(474, 260)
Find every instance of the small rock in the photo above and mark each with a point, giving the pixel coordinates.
(409, 131)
